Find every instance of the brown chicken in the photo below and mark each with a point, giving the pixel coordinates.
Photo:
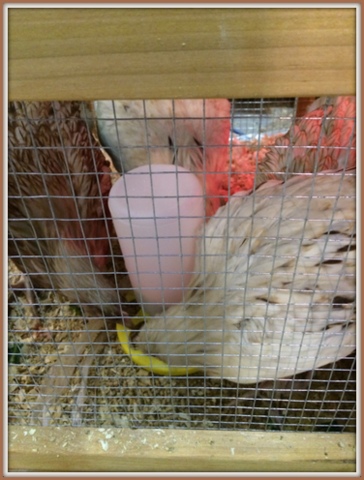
(59, 237)
(323, 139)
(57, 227)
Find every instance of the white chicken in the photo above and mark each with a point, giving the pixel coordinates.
(275, 295)
(191, 133)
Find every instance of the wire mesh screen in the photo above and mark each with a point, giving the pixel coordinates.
(183, 264)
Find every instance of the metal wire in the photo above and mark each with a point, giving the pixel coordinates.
(54, 307)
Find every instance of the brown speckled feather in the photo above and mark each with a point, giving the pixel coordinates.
(322, 139)
(58, 186)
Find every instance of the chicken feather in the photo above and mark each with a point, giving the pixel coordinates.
(193, 134)
(58, 185)
(323, 139)
(275, 295)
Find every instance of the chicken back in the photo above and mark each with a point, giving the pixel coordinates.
(274, 292)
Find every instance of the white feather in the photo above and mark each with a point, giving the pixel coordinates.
(191, 133)
(275, 292)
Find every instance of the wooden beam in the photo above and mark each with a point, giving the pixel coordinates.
(98, 53)
(67, 449)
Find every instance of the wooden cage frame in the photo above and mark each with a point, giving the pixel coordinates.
(93, 53)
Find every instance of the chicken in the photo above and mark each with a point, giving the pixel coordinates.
(191, 133)
(324, 139)
(275, 295)
(58, 185)
(55, 208)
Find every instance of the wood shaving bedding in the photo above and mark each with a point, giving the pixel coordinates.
(123, 395)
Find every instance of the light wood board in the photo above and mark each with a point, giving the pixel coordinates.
(102, 53)
(66, 449)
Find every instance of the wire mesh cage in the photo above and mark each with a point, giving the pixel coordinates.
(241, 278)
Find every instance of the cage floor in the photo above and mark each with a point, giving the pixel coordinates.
(121, 394)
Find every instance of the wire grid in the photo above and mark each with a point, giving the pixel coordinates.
(104, 387)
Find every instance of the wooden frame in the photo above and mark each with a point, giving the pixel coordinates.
(66, 449)
(84, 54)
